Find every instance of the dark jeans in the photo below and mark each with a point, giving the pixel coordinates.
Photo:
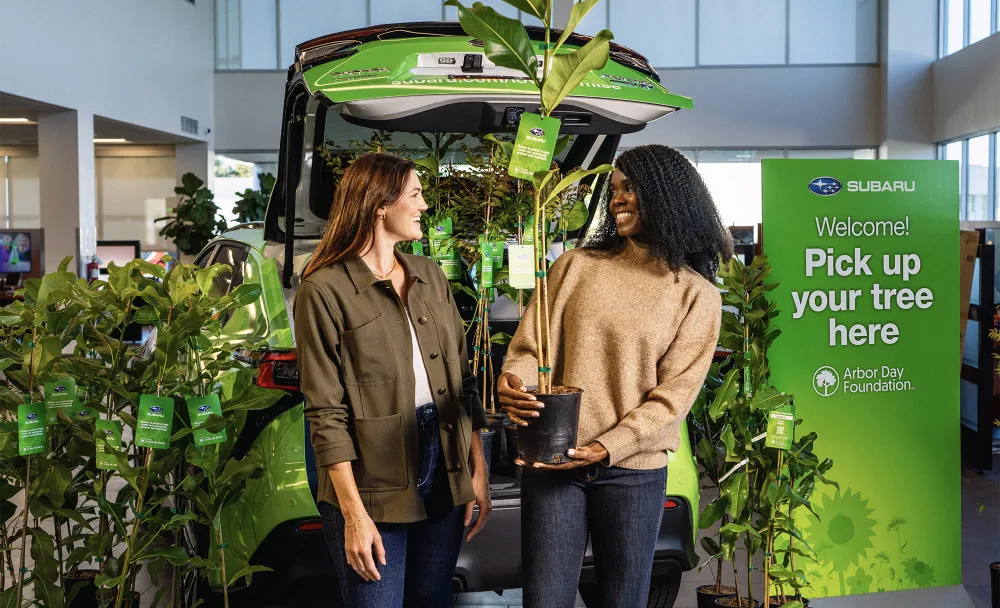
(621, 508)
(420, 557)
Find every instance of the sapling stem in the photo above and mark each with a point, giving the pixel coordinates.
(24, 531)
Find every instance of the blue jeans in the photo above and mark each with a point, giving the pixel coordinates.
(621, 509)
(420, 557)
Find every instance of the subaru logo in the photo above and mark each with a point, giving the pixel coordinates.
(59, 389)
(156, 409)
(108, 433)
(537, 132)
(204, 408)
(824, 186)
(83, 413)
(31, 417)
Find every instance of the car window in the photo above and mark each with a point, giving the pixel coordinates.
(205, 257)
(233, 255)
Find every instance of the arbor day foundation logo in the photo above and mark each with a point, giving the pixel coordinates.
(826, 381)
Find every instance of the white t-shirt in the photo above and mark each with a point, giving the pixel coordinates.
(423, 395)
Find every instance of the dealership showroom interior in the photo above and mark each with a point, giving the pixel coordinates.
(540, 303)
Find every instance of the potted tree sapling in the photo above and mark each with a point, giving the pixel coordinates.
(507, 44)
(195, 220)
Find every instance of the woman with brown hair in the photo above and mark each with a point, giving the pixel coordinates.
(390, 397)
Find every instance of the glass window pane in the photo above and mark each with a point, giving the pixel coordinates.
(953, 151)
(954, 35)
(303, 20)
(833, 31)
(667, 41)
(407, 10)
(733, 177)
(741, 32)
(451, 13)
(977, 204)
(258, 35)
(980, 14)
(233, 56)
(221, 40)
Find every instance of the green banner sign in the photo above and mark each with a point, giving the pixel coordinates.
(866, 254)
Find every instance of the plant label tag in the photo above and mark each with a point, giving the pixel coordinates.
(452, 267)
(60, 395)
(486, 266)
(82, 394)
(521, 266)
(108, 442)
(31, 433)
(442, 229)
(781, 427)
(497, 251)
(199, 410)
(534, 145)
(86, 414)
(417, 247)
(529, 231)
(155, 421)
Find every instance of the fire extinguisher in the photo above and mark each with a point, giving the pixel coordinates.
(93, 269)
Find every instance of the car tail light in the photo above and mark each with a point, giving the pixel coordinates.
(310, 526)
(279, 370)
(670, 504)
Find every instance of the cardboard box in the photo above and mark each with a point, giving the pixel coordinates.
(969, 248)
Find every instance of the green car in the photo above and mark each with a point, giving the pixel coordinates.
(407, 79)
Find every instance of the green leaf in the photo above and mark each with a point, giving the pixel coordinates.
(768, 399)
(577, 216)
(246, 294)
(252, 398)
(505, 40)
(711, 547)
(576, 15)
(737, 490)
(739, 529)
(713, 512)
(569, 69)
(206, 276)
(729, 440)
(236, 471)
(501, 338)
(248, 571)
(571, 179)
(724, 395)
(535, 8)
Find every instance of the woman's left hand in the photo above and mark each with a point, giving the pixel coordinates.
(581, 457)
(481, 486)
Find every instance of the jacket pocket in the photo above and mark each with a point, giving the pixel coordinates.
(369, 360)
(381, 464)
(444, 321)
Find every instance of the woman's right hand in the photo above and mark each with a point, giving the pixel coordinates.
(358, 541)
(520, 405)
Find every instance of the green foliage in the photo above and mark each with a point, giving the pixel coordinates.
(196, 218)
(253, 203)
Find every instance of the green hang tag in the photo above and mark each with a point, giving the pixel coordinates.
(451, 266)
(442, 230)
(486, 266)
(534, 145)
(85, 415)
(82, 394)
(31, 434)
(417, 247)
(199, 409)
(155, 422)
(781, 427)
(108, 442)
(528, 231)
(60, 395)
(497, 250)
(521, 266)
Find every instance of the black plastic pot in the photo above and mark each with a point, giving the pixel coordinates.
(995, 584)
(496, 422)
(510, 453)
(79, 585)
(706, 595)
(548, 437)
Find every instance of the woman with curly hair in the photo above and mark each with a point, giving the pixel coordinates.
(634, 319)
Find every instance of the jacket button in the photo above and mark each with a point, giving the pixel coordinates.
(422, 320)
(449, 427)
(441, 391)
(456, 468)
(434, 356)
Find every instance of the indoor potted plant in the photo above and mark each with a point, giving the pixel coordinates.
(195, 220)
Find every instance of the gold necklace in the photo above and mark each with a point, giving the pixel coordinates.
(383, 277)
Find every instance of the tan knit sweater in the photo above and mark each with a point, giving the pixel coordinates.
(636, 341)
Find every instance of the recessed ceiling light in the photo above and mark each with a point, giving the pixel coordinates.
(16, 121)
(110, 140)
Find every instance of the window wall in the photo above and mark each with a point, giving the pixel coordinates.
(965, 22)
(978, 175)
(733, 177)
(262, 34)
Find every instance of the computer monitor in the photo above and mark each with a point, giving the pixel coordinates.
(119, 252)
(15, 251)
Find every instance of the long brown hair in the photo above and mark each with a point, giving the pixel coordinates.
(371, 182)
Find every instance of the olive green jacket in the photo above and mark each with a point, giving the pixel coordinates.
(355, 354)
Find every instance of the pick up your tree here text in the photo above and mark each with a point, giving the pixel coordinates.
(855, 262)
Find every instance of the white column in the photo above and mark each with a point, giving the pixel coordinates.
(193, 158)
(66, 186)
(908, 48)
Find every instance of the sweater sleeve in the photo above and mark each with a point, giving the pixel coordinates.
(680, 374)
(522, 352)
(317, 343)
